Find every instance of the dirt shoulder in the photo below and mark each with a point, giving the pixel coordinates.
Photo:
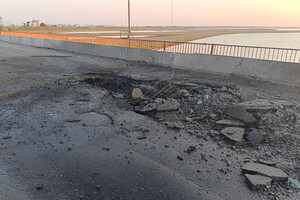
(71, 129)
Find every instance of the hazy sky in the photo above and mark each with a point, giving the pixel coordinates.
(155, 12)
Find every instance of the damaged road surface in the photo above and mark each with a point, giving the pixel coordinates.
(81, 127)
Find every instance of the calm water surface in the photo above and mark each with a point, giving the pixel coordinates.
(277, 40)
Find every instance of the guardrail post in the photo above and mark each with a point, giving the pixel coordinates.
(212, 49)
(164, 46)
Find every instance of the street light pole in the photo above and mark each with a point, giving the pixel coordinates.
(129, 31)
(172, 8)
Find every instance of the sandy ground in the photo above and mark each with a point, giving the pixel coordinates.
(62, 138)
(179, 34)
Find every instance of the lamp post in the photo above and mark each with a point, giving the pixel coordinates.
(129, 31)
(172, 8)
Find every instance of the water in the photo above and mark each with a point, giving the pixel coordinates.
(276, 40)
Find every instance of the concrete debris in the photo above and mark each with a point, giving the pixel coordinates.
(149, 108)
(191, 149)
(254, 137)
(168, 105)
(265, 170)
(262, 105)
(7, 137)
(231, 123)
(199, 102)
(234, 134)
(240, 113)
(179, 158)
(40, 187)
(258, 182)
(143, 137)
(187, 119)
(293, 183)
(224, 89)
(137, 94)
(267, 162)
(173, 125)
(185, 93)
(118, 96)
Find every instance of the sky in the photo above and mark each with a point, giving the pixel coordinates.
(154, 12)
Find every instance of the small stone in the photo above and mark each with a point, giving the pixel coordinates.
(106, 148)
(118, 96)
(224, 89)
(143, 137)
(173, 125)
(69, 148)
(254, 137)
(258, 182)
(7, 137)
(265, 170)
(137, 93)
(234, 134)
(99, 187)
(179, 158)
(199, 102)
(40, 187)
(191, 149)
(187, 119)
(85, 124)
(166, 145)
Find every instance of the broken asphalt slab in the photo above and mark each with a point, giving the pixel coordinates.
(234, 134)
(258, 182)
(240, 112)
(264, 170)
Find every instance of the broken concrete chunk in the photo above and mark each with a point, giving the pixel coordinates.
(234, 134)
(118, 96)
(240, 112)
(173, 125)
(264, 170)
(254, 137)
(168, 105)
(149, 107)
(227, 122)
(258, 182)
(137, 93)
(267, 162)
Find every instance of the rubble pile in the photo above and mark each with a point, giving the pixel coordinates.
(212, 111)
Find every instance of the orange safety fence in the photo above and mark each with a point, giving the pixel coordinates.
(152, 45)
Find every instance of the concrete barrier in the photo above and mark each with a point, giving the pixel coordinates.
(266, 70)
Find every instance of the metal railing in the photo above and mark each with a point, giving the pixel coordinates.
(252, 52)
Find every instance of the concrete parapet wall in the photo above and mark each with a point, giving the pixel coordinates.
(267, 70)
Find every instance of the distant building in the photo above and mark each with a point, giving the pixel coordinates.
(33, 23)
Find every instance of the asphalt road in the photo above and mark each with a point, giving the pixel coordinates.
(69, 140)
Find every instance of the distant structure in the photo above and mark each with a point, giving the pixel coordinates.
(0, 21)
(33, 23)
